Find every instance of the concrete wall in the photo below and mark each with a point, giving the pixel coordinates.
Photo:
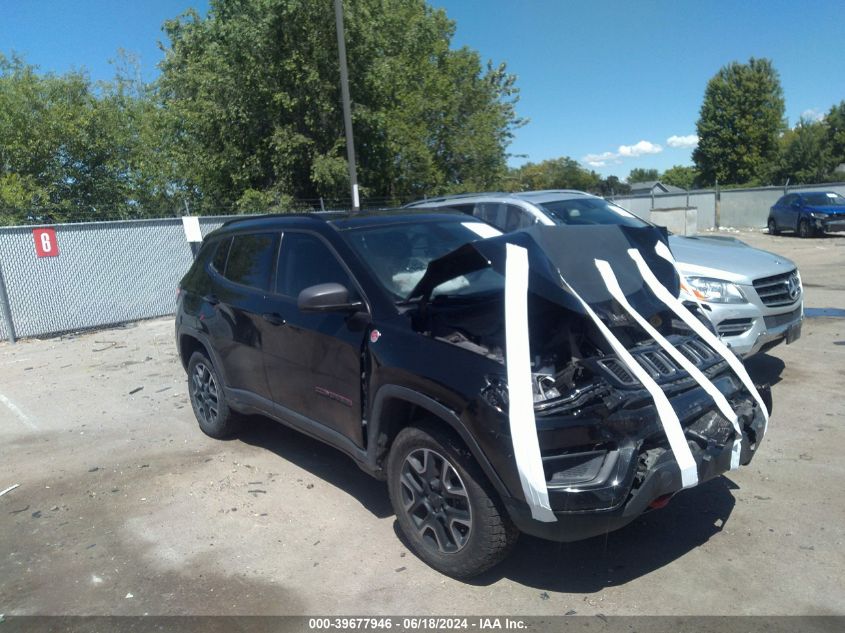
(739, 208)
(750, 207)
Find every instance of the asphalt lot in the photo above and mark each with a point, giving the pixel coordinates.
(124, 507)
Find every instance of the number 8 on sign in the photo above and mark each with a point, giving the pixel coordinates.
(45, 242)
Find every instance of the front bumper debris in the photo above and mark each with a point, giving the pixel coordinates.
(629, 480)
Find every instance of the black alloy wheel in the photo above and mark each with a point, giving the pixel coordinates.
(449, 513)
(436, 500)
(773, 227)
(208, 398)
(205, 394)
(804, 229)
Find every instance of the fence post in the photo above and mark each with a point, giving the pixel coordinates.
(5, 308)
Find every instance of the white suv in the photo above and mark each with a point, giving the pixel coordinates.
(753, 298)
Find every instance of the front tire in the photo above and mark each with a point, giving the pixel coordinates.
(773, 227)
(208, 400)
(445, 506)
(804, 229)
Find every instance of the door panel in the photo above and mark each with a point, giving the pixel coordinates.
(240, 293)
(313, 360)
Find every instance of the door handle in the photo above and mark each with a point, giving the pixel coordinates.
(273, 318)
(212, 299)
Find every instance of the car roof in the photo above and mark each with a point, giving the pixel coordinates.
(545, 195)
(340, 220)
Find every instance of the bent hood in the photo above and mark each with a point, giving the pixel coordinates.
(561, 257)
(727, 259)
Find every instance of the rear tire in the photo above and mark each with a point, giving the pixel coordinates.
(773, 227)
(446, 508)
(804, 229)
(208, 400)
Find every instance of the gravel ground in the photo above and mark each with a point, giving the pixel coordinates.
(124, 507)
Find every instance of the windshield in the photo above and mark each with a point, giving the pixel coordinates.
(590, 211)
(399, 254)
(829, 199)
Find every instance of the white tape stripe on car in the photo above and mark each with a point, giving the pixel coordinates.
(697, 326)
(721, 402)
(665, 412)
(523, 427)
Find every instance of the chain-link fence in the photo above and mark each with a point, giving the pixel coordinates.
(105, 273)
(48, 215)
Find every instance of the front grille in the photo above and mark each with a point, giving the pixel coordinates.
(617, 369)
(777, 320)
(733, 327)
(779, 290)
(696, 351)
(658, 362)
(660, 366)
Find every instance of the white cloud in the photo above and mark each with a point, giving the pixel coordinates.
(599, 160)
(624, 151)
(812, 114)
(639, 149)
(684, 142)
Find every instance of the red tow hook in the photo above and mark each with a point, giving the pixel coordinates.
(661, 502)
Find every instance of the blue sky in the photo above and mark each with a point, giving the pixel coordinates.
(615, 85)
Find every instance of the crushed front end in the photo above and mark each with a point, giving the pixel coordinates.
(603, 445)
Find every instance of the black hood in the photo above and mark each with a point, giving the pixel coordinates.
(558, 253)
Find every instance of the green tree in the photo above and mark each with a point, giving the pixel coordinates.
(612, 186)
(69, 150)
(638, 174)
(682, 176)
(805, 154)
(835, 141)
(741, 118)
(555, 173)
(252, 103)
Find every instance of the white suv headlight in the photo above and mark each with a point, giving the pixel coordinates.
(713, 290)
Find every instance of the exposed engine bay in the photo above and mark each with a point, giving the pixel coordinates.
(567, 350)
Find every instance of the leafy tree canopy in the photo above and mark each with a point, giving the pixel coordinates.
(683, 176)
(638, 174)
(555, 173)
(253, 99)
(68, 147)
(805, 155)
(741, 118)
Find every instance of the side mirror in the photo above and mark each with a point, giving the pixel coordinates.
(331, 297)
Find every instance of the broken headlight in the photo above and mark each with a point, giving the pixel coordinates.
(544, 387)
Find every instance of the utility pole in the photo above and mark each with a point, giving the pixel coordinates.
(347, 110)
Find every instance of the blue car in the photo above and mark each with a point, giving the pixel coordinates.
(808, 213)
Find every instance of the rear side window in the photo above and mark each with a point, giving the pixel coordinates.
(517, 218)
(220, 255)
(251, 259)
(306, 261)
(493, 213)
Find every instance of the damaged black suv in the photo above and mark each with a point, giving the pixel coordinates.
(492, 380)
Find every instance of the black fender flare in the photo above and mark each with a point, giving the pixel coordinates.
(203, 340)
(439, 411)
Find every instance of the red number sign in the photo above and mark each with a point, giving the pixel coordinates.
(45, 242)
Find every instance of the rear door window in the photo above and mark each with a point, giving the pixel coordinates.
(517, 218)
(494, 213)
(251, 259)
(220, 255)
